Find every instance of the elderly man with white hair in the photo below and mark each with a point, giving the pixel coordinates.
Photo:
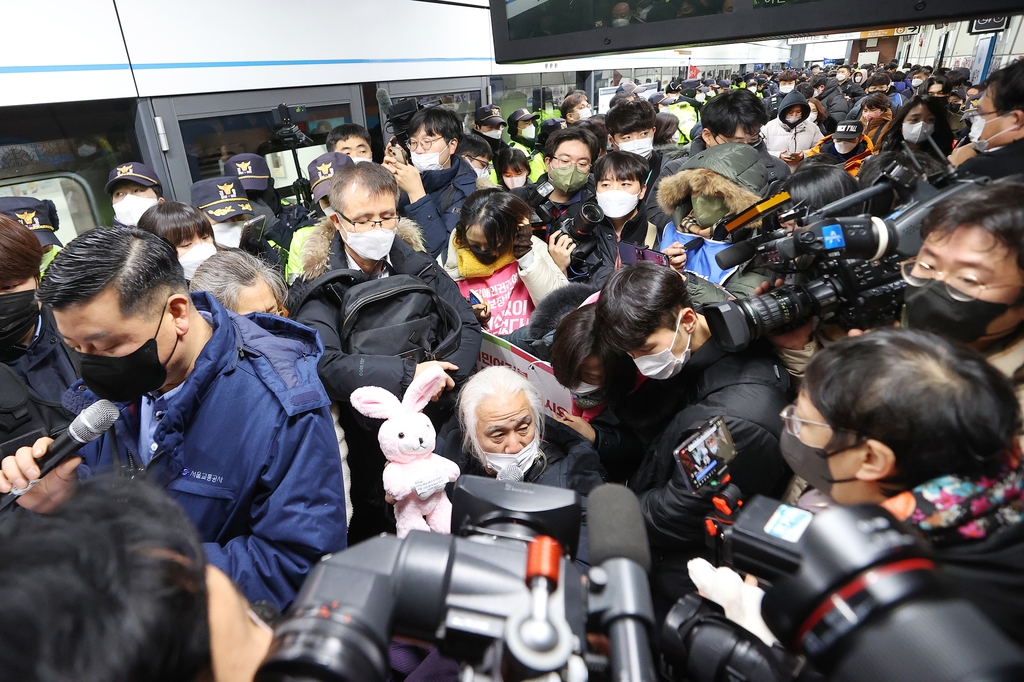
(502, 431)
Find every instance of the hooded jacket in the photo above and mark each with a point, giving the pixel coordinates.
(445, 189)
(342, 373)
(246, 447)
(781, 137)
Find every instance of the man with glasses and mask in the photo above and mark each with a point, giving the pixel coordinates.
(997, 129)
(224, 412)
(436, 180)
(360, 239)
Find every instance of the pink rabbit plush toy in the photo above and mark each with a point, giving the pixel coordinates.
(415, 477)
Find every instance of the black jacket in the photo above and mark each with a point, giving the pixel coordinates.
(569, 462)
(836, 104)
(851, 90)
(342, 373)
(749, 390)
(999, 163)
(46, 365)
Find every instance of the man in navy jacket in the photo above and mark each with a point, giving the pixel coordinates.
(224, 412)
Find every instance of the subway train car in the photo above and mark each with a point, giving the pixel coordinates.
(184, 85)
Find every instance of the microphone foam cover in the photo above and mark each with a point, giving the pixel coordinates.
(738, 253)
(616, 526)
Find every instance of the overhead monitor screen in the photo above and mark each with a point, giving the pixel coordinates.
(533, 30)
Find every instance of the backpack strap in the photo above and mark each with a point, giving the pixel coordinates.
(447, 198)
(332, 283)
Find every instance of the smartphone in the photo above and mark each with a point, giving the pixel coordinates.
(630, 254)
(474, 299)
(703, 456)
(252, 230)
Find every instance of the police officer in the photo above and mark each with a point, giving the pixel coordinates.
(321, 171)
(254, 174)
(488, 124)
(226, 206)
(40, 216)
(522, 130)
(133, 188)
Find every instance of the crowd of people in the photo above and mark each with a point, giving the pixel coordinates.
(231, 331)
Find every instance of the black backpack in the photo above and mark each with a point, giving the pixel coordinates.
(398, 315)
(23, 417)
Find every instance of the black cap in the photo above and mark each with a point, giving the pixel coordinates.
(221, 198)
(321, 170)
(848, 130)
(489, 115)
(132, 171)
(551, 125)
(521, 115)
(40, 216)
(251, 169)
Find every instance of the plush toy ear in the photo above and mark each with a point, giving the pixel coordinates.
(423, 387)
(375, 402)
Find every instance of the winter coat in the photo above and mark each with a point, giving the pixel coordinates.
(569, 461)
(46, 365)
(835, 103)
(246, 447)
(541, 277)
(749, 390)
(852, 161)
(998, 163)
(873, 128)
(342, 373)
(781, 137)
(445, 189)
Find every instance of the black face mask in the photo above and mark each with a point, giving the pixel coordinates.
(125, 378)
(955, 108)
(19, 313)
(810, 463)
(930, 308)
(485, 257)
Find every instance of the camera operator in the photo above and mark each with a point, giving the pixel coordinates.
(645, 311)
(997, 128)
(926, 428)
(115, 585)
(223, 411)
(436, 180)
(503, 430)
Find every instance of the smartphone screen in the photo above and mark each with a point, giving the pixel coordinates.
(630, 254)
(252, 229)
(474, 299)
(705, 453)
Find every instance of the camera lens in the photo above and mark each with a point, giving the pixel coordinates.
(324, 650)
(771, 312)
(591, 214)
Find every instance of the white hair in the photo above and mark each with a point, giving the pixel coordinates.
(492, 383)
(226, 273)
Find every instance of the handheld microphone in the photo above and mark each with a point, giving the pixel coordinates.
(621, 559)
(92, 423)
(511, 472)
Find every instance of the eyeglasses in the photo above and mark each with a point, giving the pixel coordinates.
(424, 145)
(582, 164)
(366, 225)
(960, 287)
(841, 438)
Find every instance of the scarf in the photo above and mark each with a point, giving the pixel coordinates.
(954, 509)
(470, 267)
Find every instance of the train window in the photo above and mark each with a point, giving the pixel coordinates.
(210, 142)
(538, 92)
(69, 193)
(64, 152)
(529, 19)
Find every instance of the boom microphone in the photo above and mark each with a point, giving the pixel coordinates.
(738, 253)
(383, 100)
(92, 423)
(618, 547)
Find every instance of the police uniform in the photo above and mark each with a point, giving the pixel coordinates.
(224, 200)
(132, 171)
(534, 156)
(546, 128)
(40, 216)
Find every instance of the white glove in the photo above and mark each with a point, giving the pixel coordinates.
(428, 485)
(742, 602)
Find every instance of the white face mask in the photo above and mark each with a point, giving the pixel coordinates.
(359, 159)
(228, 233)
(619, 23)
(916, 82)
(515, 181)
(427, 162)
(786, 89)
(528, 133)
(616, 203)
(813, 116)
(664, 365)
(752, 88)
(841, 77)
(524, 459)
(700, 97)
(586, 389)
(641, 147)
(372, 245)
(844, 147)
(978, 128)
(130, 209)
(917, 132)
(196, 256)
(584, 114)
(493, 134)
(793, 120)
(481, 172)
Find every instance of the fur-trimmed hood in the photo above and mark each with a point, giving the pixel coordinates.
(316, 251)
(733, 173)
